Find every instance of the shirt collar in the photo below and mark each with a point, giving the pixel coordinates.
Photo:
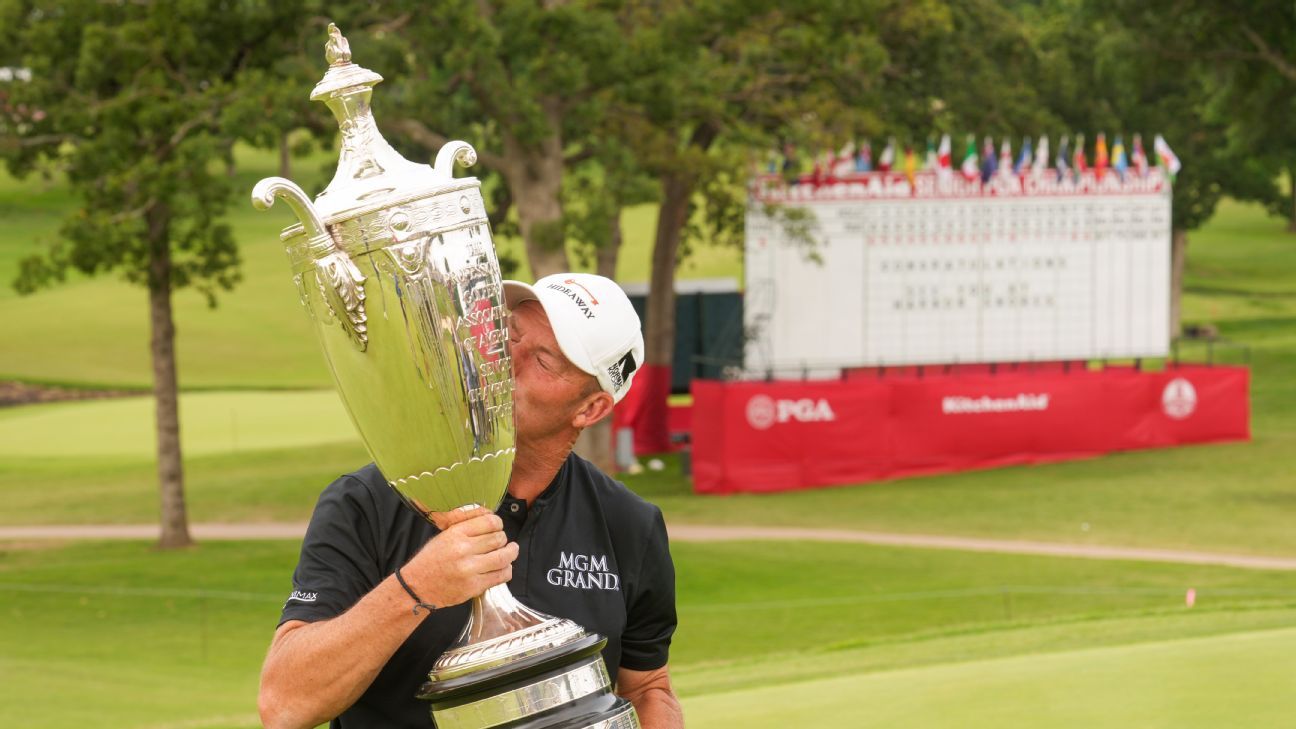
(560, 478)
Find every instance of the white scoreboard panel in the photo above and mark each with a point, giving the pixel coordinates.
(953, 272)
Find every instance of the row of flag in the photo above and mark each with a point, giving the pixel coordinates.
(1068, 162)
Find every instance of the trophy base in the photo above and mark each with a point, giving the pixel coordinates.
(564, 688)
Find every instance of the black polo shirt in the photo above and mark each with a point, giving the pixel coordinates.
(589, 550)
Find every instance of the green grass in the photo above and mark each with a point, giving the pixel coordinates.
(1232, 497)
(1241, 679)
(145, 638)
(210, 423)
(242, 486)
(264, 456)
(1242, 250)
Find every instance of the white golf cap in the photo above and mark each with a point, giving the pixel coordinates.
(594, 322)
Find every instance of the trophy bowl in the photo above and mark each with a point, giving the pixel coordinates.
(395, 264)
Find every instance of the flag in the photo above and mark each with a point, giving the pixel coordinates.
(1042, 154)
(887, 160)
(1023, 159)
(969, 166)
(989, 164)
(790, 164)
(1078, 162)
(910, 163)
(1100, 156)
(1139, 157)
(1119, 162)
(1005, 165)
(944, 156)
(1166, 156)
(1063, 169)
(864, 162)
(931, 162)
(844, 164)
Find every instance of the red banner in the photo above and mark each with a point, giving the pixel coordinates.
(775, 436)
(645, 410)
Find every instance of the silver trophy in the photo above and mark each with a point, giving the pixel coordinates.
(395, 264)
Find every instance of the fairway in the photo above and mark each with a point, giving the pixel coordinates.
(1235, 680)
(210, 423)
(154, 639)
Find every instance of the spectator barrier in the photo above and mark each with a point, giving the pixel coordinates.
(777, 435)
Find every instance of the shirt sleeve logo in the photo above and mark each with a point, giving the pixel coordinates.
(583, 572)
(302, 596)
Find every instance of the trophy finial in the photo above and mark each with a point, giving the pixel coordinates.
(342, 77)
(337, 50)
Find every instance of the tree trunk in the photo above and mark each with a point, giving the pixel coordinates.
(596, 443)
(227, 151)
(1178, 258)
(608, 253)
(174, 521)
(652, 427)
(534, 176)
(659, 332)
(285, 156)
(677, 193)
(1291, 183)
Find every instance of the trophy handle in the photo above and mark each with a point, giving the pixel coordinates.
(265, 192)
(456, 151)
(340, 282)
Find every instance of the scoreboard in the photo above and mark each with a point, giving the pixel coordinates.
(942, 270)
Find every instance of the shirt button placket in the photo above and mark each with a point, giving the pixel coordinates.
(522, 578)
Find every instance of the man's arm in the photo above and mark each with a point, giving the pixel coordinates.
(653, 698)
(314, 671)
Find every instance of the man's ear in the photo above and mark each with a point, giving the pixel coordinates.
(593, 409)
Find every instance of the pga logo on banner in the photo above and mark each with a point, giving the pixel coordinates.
(764, 411)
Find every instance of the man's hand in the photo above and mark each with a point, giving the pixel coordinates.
(470, 555)
(304, 681)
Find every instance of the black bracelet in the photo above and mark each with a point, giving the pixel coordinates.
(418, 601)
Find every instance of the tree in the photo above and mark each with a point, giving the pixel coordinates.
(1175, 84)
(1257, 109)
(524, 80)
(713, 84)
(960, 67)
(1245, 50)
(705, 82)
(136, 102)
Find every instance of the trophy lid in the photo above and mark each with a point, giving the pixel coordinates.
(371, 175)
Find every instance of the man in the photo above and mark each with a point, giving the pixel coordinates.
(354, 645)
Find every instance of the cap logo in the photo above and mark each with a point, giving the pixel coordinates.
(576, 299)
(620, 372)
(573, 282)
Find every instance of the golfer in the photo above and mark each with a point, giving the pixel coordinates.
(354, 644)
